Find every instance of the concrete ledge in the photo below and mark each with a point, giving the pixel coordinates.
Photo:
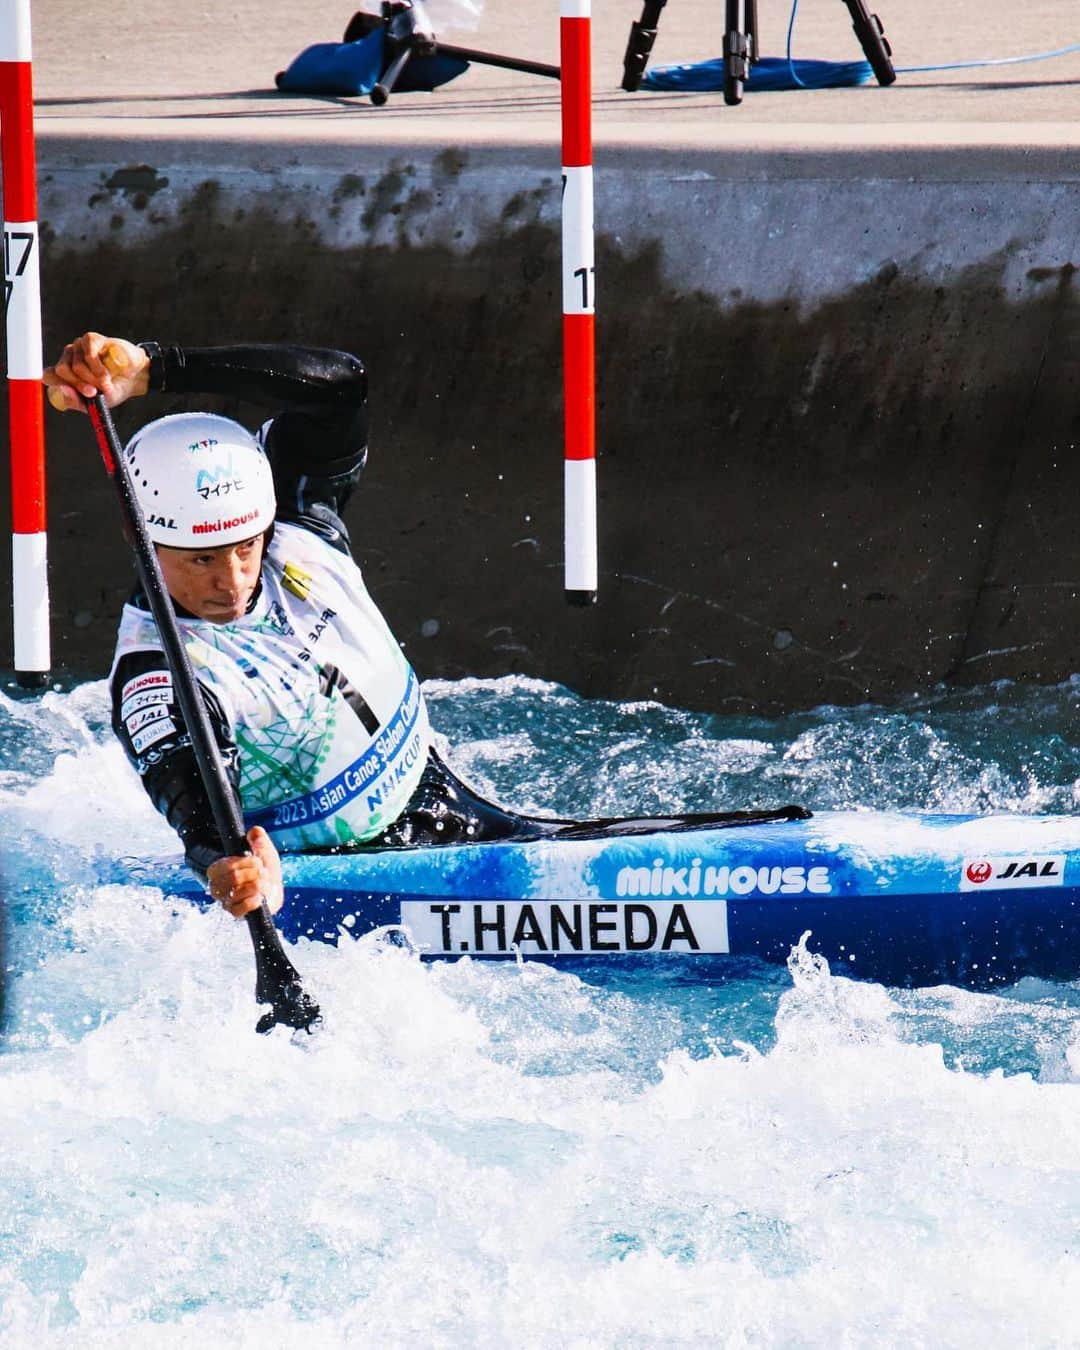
(837, 388)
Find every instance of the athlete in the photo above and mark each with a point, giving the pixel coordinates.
(319, 716)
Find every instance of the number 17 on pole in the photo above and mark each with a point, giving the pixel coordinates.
(579, 304)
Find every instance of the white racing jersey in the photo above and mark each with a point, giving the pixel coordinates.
(326, 713)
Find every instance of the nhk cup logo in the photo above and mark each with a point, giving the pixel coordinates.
(1020, 870)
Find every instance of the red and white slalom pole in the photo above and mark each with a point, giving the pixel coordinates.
(22, 296)
(579, 302)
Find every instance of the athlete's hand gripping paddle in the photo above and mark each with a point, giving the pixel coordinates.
(276, 980)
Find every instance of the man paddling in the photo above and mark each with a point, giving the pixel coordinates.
(318, 714)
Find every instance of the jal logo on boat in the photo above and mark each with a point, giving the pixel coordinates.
(984, 874)
(661, 880)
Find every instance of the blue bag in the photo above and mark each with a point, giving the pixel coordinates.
(351, 68)
(336, 67)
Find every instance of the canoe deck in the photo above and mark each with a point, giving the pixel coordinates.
(899, 898)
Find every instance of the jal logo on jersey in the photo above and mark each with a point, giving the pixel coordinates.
(1028, 870)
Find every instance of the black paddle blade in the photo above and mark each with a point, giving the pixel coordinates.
(292, 1008)
(276, 980)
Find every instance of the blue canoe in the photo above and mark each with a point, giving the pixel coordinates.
(900, 898)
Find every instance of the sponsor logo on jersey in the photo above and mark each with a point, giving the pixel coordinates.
(156, 731)
(662, 880)
(137, 720)
(1017, 871)
(154, 679)
(147, 698)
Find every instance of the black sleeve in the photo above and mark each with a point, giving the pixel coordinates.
(317, 443)
(147, 719)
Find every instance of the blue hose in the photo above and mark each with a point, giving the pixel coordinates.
(771, 73)
(767, 75)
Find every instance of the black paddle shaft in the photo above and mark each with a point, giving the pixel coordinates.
(276, 979)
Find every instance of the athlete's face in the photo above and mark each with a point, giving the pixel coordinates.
(215, 584)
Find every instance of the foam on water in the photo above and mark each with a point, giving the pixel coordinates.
(482, 1155)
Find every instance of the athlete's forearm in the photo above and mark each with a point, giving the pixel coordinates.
(278, 374)
(149, 724)
(319, 395)
(175, 787)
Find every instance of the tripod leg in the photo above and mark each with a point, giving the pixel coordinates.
(640, 44)
(737, 50)
(381, 92)
(503, 62)
(873, 41)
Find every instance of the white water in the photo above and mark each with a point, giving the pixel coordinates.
(488, 1155)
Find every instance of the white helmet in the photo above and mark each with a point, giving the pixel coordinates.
(202, 481)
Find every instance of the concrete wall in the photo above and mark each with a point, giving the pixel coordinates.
(837, 398)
